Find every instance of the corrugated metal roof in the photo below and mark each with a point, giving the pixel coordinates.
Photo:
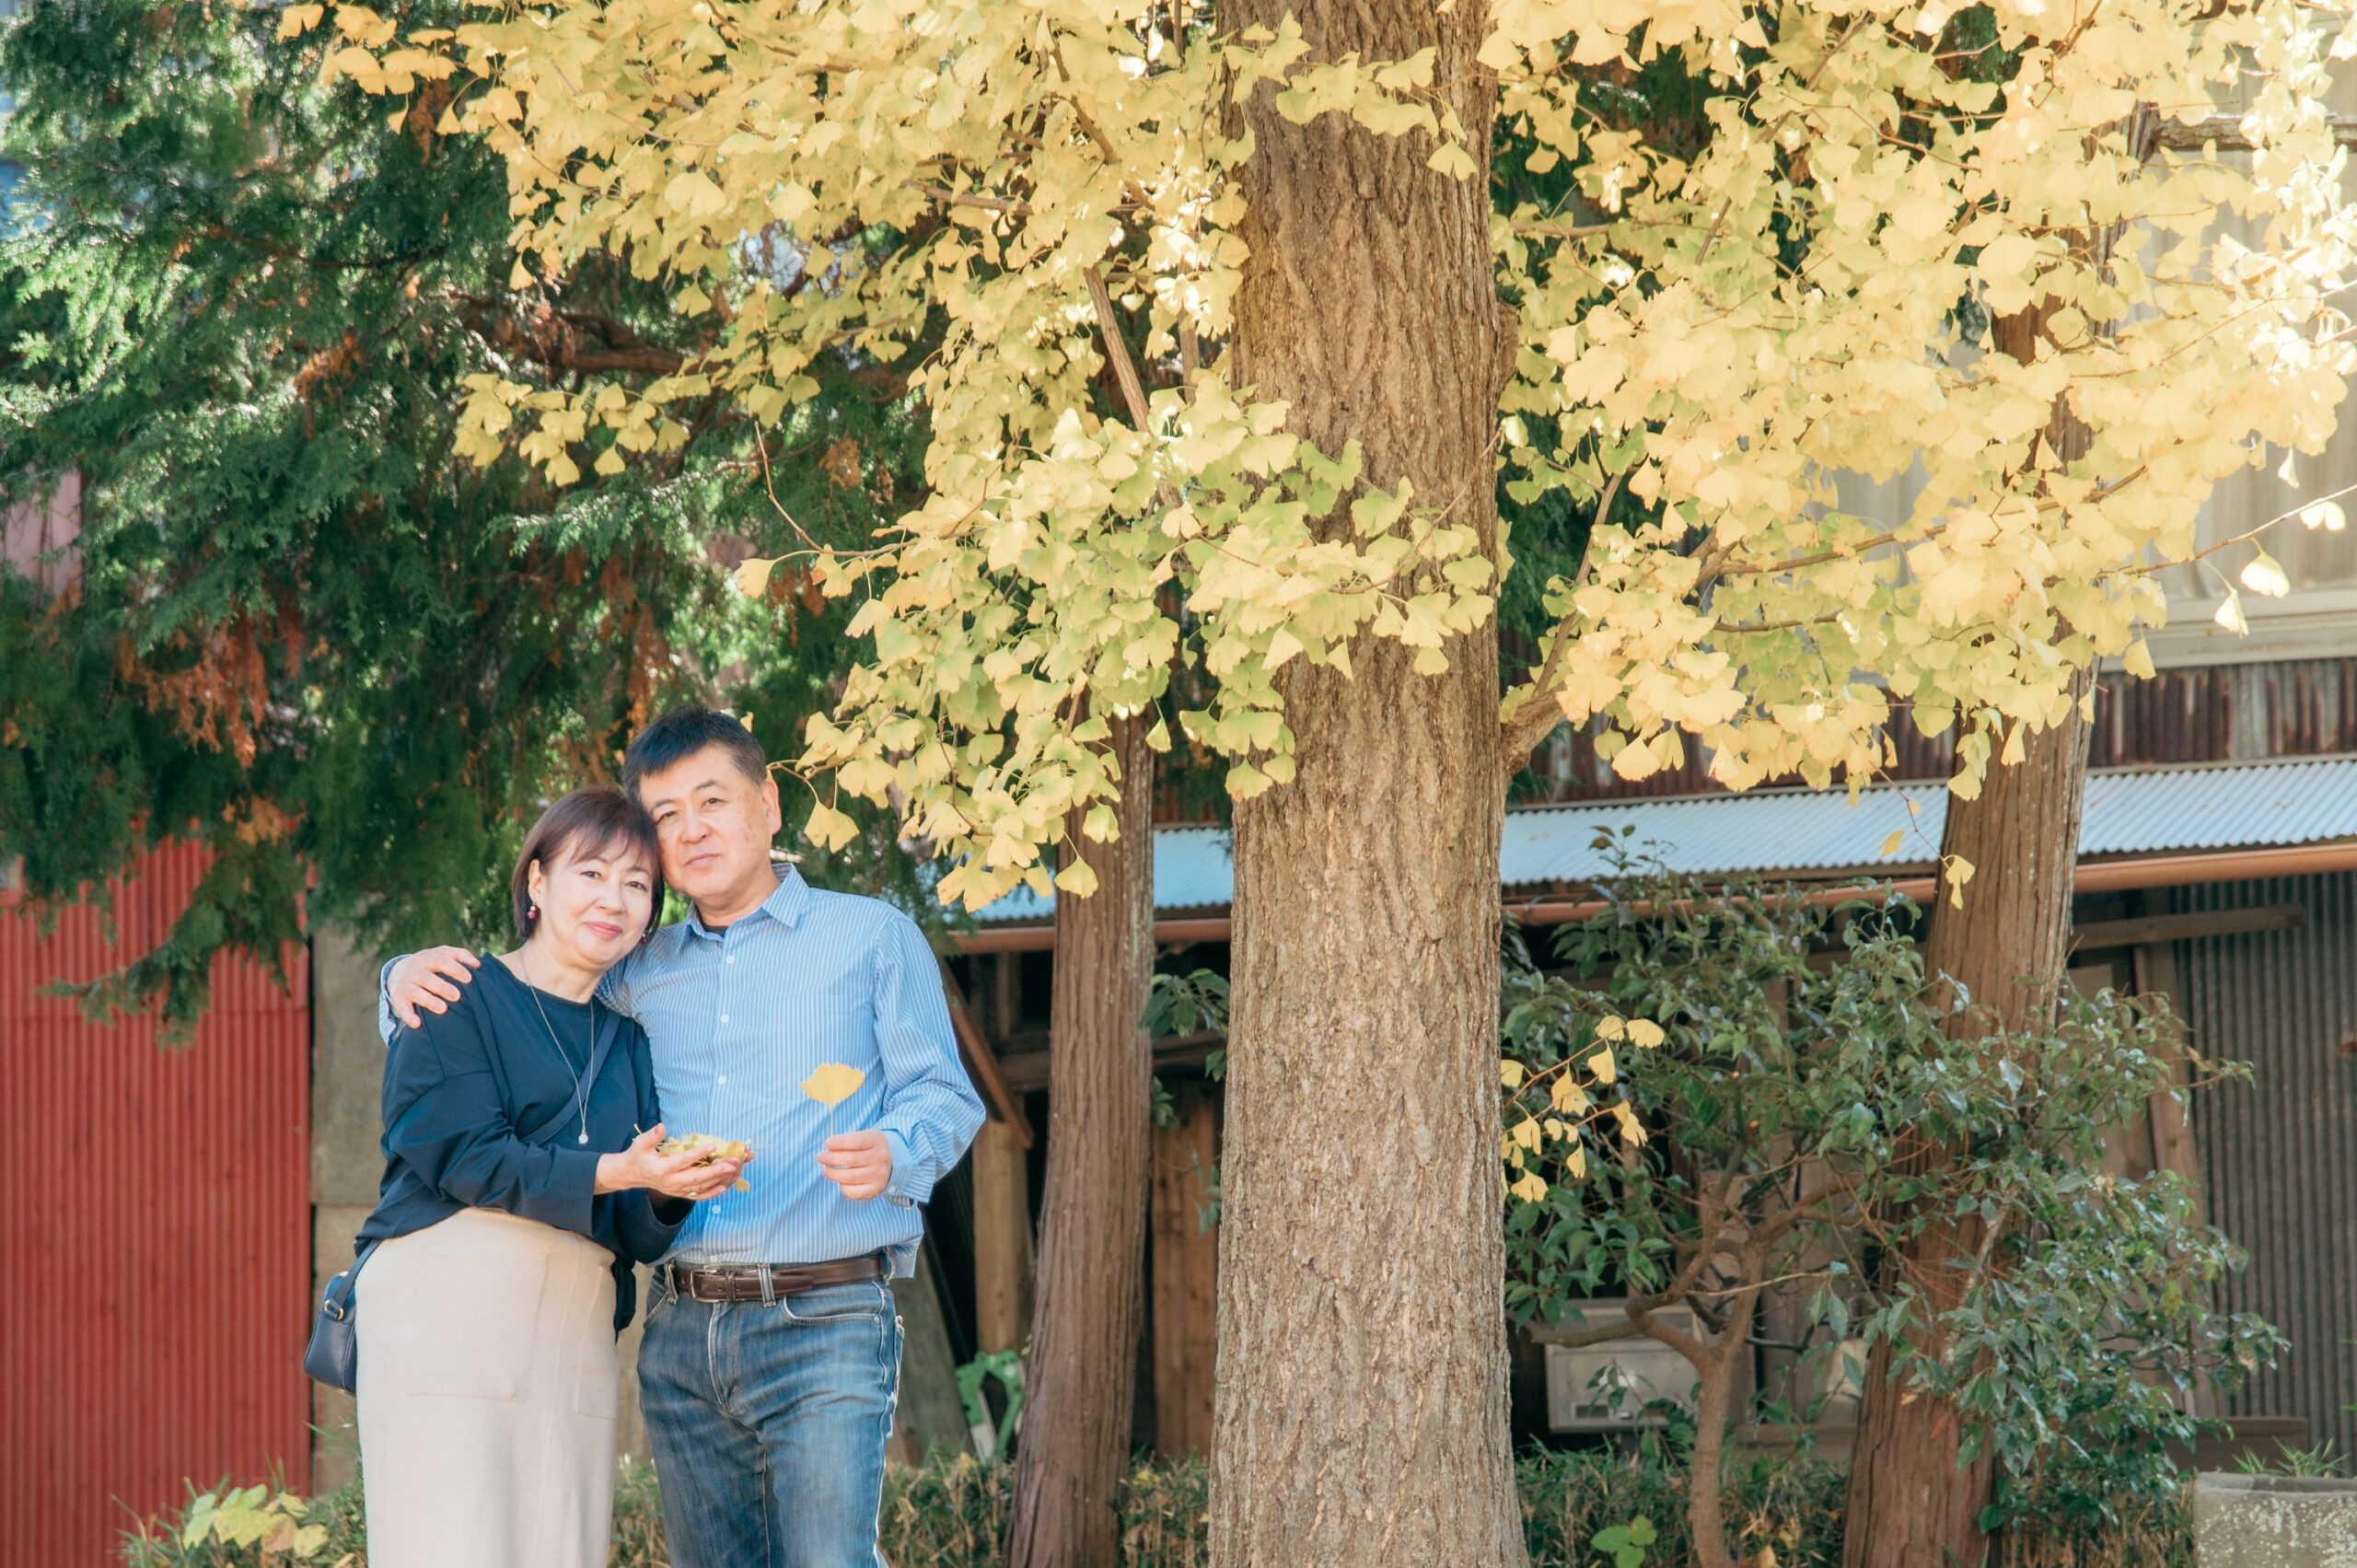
(1815, 833)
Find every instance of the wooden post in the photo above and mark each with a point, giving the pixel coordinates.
(1002, 1257)
(1185, 1272)
(929, 1415)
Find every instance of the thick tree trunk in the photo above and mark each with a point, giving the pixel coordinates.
(1362, 1405)
(1080, 1381)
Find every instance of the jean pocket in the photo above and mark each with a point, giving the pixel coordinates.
(860, 1301)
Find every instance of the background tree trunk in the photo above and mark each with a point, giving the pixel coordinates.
(1362, 1405)
(1910, 1503)
(1081, 1379)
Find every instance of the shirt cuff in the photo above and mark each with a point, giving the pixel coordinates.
(907, 1186)
(572, 1193)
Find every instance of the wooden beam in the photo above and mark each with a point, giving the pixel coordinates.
(1006, 995)
(982, 1063)
(1185, 1270)
(2153, 966)
(1004, 1268)
(2226, 132)
(1027, 1070)
(2148, 929)
(928, 1417)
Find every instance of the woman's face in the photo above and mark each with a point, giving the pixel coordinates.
(595, 904)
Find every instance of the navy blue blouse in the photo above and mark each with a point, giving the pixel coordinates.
(461, 1089)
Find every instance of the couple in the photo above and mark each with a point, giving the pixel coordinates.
(488, 1385)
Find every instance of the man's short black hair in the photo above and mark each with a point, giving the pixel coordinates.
(683, 732)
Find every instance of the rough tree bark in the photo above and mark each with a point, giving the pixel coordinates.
(1910, 1504)
(1361, 1404)
(1081, 1379)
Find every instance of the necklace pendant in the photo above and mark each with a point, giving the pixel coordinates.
(583, 1138)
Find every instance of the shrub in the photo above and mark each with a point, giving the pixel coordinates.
(1797, 1060)
(953, 1512)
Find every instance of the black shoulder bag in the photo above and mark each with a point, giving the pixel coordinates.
(333, 1355)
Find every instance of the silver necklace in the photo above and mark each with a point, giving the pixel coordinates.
(580, 1090)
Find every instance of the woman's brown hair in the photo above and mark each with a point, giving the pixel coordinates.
(594, 820)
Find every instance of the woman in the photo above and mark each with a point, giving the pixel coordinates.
(521, 1182)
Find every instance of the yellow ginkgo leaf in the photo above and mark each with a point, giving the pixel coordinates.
(752, 577)
(834, 1084)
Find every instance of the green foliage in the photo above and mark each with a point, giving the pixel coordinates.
(307, 634)
(2324, 1460)
(953, 1512)
(1627, 1543)
(1807, 1060)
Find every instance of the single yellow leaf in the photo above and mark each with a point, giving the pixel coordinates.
(1603, 1066)
(752, 575)
(834, 1084)
(1644, 1032)
(2264, 574)
(1510, 1073)
(1890, 845)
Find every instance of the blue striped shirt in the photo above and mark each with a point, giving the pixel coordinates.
(737, 1019)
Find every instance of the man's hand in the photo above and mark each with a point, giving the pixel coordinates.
(428, 981)
(859, 1163)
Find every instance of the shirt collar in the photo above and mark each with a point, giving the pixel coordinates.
(786, 906)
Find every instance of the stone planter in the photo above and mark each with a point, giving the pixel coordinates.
(2270, 1521)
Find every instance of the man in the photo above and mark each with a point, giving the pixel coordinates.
(772, 1358)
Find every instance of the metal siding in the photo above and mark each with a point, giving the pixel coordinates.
(158, 1229)
(2278, 1155)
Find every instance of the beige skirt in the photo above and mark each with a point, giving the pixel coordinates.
(489, 1396)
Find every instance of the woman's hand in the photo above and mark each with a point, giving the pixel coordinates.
(689, 1174)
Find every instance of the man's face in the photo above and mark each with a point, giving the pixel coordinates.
(715, 824)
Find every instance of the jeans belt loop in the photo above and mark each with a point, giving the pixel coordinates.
(768, 1287)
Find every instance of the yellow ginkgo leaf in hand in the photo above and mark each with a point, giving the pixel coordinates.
(834, 1084)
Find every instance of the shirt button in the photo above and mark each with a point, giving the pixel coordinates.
(730, 959)
(722, 1079)
(724, 1017)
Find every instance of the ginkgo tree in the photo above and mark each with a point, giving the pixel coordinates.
(1268, 230)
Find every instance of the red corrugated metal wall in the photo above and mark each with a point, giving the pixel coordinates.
(155, 1234)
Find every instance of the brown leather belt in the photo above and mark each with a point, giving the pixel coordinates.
(767, 1282)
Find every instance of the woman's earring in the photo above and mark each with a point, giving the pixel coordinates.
(532, 913)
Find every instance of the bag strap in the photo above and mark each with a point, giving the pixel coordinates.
(571, 1113)
(337, 1299)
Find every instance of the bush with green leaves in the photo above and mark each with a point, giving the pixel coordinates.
(953, 1512)
(1808, 1060)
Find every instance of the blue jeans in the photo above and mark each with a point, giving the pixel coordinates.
(769, 1425)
